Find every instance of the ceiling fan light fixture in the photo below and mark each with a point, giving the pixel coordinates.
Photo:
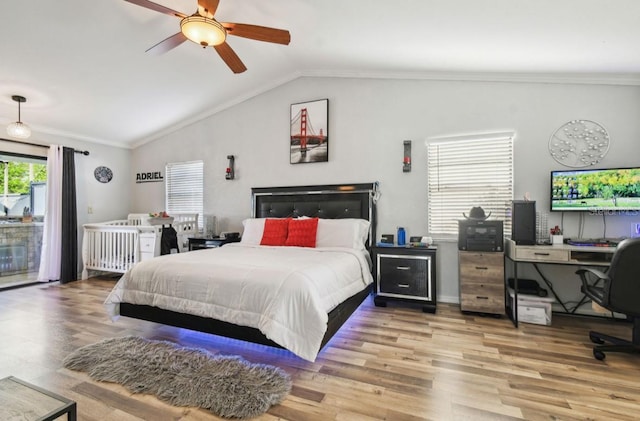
(204, 31)
(18, 129)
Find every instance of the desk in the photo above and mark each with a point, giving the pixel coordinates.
(561, 254)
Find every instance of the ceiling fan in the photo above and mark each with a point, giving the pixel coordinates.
(202, 28)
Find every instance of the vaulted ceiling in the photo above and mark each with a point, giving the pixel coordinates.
(83, 68)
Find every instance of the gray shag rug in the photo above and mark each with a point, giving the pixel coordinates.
(228, 386)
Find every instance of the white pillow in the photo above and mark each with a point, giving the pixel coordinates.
(253, 229)
(347, 232)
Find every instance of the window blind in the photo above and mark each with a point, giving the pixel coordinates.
(184, 188)
(468, 171)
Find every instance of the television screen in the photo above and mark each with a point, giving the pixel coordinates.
(614, 189)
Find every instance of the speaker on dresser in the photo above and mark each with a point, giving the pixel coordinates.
(523, 222)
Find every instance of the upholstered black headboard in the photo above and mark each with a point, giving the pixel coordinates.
(325, 201)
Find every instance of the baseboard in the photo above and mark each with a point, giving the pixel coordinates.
(448, 299)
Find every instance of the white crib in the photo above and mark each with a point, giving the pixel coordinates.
(115, 246)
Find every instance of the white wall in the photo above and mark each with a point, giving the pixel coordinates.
(107, 200)
(368, 121)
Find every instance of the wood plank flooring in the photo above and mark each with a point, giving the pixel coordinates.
(393, 363)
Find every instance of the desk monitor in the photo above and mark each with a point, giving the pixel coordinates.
(603, 190)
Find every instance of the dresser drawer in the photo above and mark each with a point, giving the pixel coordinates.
(482, 298)
(542, 254)
(406, 276)
(477, 258)
(146, 256)
(484, 268)
(407, 287)
(147, 243)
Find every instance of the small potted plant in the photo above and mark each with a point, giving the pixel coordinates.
(556, 236)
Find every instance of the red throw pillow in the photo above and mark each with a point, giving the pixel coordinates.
(302, 232)
(275, 232)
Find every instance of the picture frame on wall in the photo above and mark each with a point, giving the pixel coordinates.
(309, 135)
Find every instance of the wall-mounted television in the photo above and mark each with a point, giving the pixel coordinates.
(604, 190)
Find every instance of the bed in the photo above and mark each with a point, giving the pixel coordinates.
(116, 246)
(317, 288)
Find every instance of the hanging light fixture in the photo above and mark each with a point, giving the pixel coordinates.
(202, 30)
(19, 129)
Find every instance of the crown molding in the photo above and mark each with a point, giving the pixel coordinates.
(38, 130)
(621, 79)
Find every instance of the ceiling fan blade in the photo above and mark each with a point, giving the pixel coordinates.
(210, 6)
(157, 7)
(260, 33)
(167, 44)
(230, 57)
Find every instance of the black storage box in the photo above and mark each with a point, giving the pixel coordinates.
(528, 286)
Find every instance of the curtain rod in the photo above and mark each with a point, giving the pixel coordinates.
(40, 146)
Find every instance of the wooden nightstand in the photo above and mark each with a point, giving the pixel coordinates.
(197, 243)
(405, 274)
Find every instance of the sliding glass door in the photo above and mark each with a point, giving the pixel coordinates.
(22, 201)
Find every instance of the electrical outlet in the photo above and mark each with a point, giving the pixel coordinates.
(90, 210)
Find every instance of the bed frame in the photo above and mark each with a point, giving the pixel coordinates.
(326, 201)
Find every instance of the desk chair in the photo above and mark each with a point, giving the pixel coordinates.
(619, 292)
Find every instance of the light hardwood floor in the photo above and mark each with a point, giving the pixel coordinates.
(7, 281)
(393, 363)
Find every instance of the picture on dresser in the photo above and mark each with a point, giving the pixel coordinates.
(309, 132)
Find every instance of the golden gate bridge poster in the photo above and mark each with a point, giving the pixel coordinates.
(310, 132)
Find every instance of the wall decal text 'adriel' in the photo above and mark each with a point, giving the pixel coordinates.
(149, 177)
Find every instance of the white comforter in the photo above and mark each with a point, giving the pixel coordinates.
(285, 292)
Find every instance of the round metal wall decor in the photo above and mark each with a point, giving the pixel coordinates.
(579, 143)
(103, 174)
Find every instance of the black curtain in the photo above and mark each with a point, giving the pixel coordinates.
(69, 251)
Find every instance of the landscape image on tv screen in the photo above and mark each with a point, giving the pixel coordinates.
(596, 190)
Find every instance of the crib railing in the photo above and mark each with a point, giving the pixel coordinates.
(110, 247)
(115, 246)
(185, 221)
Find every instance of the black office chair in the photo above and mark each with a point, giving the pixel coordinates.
(617, 291)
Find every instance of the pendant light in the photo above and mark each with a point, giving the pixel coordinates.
(19, 129)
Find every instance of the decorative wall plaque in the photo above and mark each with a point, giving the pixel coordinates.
(579, 143)
(103, 174)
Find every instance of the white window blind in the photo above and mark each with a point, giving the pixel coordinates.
(184, 188)
(468, 171)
